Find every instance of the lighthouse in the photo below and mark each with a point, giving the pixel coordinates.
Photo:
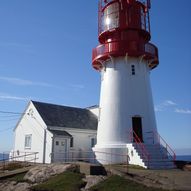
(125, 58)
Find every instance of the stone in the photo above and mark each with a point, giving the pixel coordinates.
(93, 180)
(22, 187)
(187, 167)
(13, 186)
(41, 173)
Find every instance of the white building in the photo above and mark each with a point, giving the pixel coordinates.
(57, 133)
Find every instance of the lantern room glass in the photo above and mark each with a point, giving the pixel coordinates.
(110, 17)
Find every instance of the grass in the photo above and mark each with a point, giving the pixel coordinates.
(118, 183)
(17, 178)
(68, 181)
(132, 166)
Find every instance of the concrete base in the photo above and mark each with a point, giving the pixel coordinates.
(118, 154)
(111, 154)
(132, 154)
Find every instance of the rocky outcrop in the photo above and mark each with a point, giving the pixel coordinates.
(42, 173)
(187, 167)
(92, 181)
(37, 175)
(14, 186)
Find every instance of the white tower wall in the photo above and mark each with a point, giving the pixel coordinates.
(123, 96)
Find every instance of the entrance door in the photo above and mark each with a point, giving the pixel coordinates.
(137, 128)
(60, 149)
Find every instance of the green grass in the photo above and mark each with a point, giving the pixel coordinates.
(117, 183)
(17, 178)
(132, 166)
(68, 181)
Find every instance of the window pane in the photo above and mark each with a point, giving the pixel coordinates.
(72, 142)
(110, 17)
(28, 139)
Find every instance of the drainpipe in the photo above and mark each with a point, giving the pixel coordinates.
(44, 147)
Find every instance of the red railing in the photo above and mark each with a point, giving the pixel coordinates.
(135, 138)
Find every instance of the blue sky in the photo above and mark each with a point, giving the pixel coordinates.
(45, 55)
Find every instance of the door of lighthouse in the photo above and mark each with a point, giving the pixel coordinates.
(137, 128)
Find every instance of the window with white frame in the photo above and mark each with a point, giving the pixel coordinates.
(28, 141)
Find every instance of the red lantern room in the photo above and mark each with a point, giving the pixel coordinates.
(124, 29)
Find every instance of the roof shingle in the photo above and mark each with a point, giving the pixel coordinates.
(64, 116)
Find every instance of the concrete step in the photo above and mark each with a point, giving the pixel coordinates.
(158, 157)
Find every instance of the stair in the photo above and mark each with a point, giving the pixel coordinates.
(158, 157)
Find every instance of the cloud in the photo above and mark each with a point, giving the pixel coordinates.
(23, 82)
(171, 106)
(183, 111)
(169, 103)
(164, 105)
(9, 97)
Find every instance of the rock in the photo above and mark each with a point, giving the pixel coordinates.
(93, 180)
(187, 167)
(22, 187)
(7, 186)
(41, 173)
(13, 186)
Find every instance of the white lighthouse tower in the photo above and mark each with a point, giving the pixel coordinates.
(125, 58)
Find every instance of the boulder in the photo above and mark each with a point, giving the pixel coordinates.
(22, 187)
(41, 173)
(92, 181)
(13, 186)
(187, 167)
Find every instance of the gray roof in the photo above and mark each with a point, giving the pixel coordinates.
(64, 116)
(61, 132)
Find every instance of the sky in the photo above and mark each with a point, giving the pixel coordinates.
(45, 55)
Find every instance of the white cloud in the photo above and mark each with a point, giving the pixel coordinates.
(183, 111)
(164, 105)
(171, 106)
(9, 97)
(23, 82)
(169, 103)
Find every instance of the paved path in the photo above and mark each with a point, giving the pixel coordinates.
(6, 174)
(167, 179)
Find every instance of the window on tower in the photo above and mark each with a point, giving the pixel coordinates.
(133, 69)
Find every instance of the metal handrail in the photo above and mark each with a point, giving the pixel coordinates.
(140, 145)
(162, 142)
(90, 156)
(24, 156)
(166, 145)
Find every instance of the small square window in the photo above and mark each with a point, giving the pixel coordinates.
(57, 143)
